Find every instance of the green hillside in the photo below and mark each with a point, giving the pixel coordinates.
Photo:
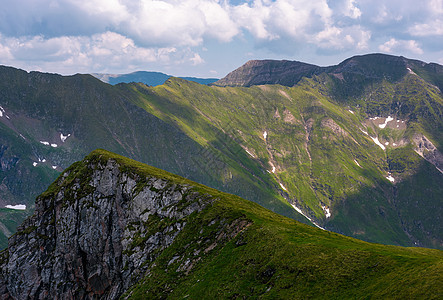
(356, 149)
(322, 151)
(232, 248)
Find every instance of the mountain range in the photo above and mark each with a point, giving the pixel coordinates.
(148, 78)
(352, 148)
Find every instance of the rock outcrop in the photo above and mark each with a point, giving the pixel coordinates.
(95, 232)
(426, 149)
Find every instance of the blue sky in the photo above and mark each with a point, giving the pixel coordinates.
(209, 38)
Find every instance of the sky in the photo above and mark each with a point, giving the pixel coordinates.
(210, 38)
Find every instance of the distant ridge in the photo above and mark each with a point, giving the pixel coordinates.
(148, 78)
(370, 67)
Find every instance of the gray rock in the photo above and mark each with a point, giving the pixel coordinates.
(94, 237)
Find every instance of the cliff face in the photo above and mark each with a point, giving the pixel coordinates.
(95, 234)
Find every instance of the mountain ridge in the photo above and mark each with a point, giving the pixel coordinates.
(363, 164)
(110, 227)
(146, 77)
(289, 73)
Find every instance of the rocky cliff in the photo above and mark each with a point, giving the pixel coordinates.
(83, 239)
(110, 227)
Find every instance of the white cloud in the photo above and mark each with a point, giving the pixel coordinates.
(436, 6)
(99, 53)
(394, 45)
(116, 34)
(351, 10)
(196, 59)
(433, 28)
(335, 38)
(253, 18)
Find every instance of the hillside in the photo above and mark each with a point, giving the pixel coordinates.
(364, 162)
(48, 121)
(110, 226)
(353, 167)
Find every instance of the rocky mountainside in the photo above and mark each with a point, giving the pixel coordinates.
(351, 73)
(111, 227)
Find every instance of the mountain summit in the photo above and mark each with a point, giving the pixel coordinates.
(370, 67)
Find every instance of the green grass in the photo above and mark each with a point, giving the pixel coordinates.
(240, 249)
(203, 132)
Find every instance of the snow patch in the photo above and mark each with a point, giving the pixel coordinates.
(34, 164)
(249, 152)
(365, 132)
(54, 145)
(21, 135)
(300, 212)
(44, 143)
(356, 162)
(265, 134)
(18, 206)
(326, 210)
(378, 143)
(351, 111)
(387, 143)
(390, 178)
(3, 113)
(273, 169)
(388, 119)
(54, 167)
(64, 137)
(394, 144)
(375, 118)
(283, 187)
(43, 160)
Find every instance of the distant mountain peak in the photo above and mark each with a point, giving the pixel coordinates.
(371, 66)
(146, 77)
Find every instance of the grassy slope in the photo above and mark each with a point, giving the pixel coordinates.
(276, 257)
(217, 120)
(97, 115)
(361, 199)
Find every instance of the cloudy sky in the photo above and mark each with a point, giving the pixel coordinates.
(209, 38)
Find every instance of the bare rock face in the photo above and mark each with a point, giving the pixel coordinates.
(426, 149)
(94, 235)
(256, 72)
